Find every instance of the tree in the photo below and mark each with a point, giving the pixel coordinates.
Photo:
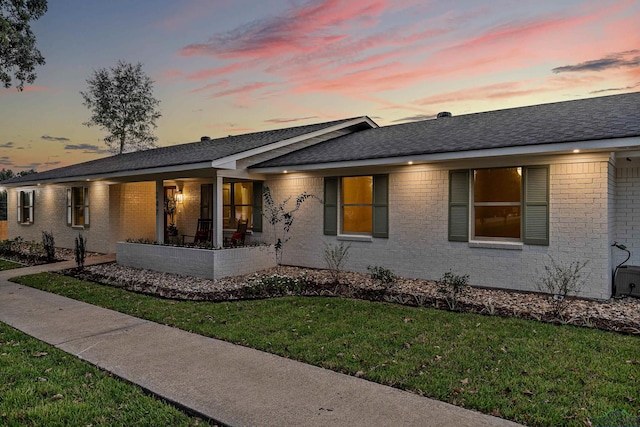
(8, 173)
(18, 53)
(122, 103)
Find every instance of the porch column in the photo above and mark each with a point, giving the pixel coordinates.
(217, 212)
(160, 211)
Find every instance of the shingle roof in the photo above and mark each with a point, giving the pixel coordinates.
(608, 117)
(183, 154)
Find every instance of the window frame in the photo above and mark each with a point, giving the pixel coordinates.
(342, 206)
(473, 205)
(26, 209)
(71, 207)
(254, 203)
(333, 211)
(535, 219)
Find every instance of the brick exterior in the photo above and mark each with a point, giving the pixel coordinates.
(209, 264)
(3, 230)
(418, 246)
(627, 213)
(50, 214)
(132, 212)
(592, 203)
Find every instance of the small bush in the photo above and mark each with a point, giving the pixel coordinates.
(48, 243)
(276, 285)
(453, 286)
(561, 280)
(80, 250)
(335, 257)
(383, 276)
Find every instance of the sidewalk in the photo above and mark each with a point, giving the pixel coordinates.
(233, 385)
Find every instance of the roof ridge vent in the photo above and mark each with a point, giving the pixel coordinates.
(442, 114)
(205, 138)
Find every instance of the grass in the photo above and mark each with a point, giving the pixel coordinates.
(8, 265)
(533, 373)
(41, 385)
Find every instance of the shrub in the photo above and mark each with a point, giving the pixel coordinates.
(80, 250)
(381, 275)
(48, 243)
(453, 286)
(561, 280)
(276, 285)
(335, 257)
(281, 219)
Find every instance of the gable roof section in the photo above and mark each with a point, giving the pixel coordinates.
(195, 155)
(603, 118)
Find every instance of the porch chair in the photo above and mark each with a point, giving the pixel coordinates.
(204, 233)
(237, 239)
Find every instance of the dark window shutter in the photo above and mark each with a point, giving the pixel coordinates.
(459, 206)
(69, 209)
(32, 205)
(331, 206)
(257, 206)
(20, 200)
(536, 205)
(86, 206)
(380, 206)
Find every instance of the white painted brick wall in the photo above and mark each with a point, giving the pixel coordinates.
(209, 264)
(627, 208)
(418, 245)
(50, 214)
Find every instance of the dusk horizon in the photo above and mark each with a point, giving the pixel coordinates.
(226, 68)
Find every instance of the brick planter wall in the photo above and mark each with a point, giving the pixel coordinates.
(206, 263)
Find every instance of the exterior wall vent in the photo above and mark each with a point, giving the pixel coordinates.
(204, 138)
(443, 114)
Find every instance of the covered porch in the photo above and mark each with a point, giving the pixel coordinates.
(187, 210)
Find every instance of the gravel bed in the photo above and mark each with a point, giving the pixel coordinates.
(621, 314)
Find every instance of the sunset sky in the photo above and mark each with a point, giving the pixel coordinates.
(224, 67)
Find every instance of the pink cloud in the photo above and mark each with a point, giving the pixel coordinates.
(216, 85)
(219, 71)
(299, 29)
(242, 90)
(290, 120)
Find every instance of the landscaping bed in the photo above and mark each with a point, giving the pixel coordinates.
(620, 315)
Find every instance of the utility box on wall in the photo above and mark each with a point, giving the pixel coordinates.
(627, 281)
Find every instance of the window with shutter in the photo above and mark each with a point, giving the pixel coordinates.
(506, 204)
(78, 206)
(360, 202)
(26, 202)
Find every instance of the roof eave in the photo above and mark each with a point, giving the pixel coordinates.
(614, 144)
(112, 175)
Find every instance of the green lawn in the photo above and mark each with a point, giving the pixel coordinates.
(43, 386)
(8, 265)
(529, 372)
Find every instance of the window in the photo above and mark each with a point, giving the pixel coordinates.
(3, 205)
(508, 204)
(362, 207)
(242, 200)
(357, 205)
(78, 206)
(497, 203)
(25, 207)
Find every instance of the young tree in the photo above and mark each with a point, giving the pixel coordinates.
(122, 103)
(18, 53)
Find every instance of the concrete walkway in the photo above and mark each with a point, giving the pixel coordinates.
(233, 385)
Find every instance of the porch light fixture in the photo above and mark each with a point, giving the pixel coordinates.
(178, 197)
(285, 171)
(576, 150)
(409, 163)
